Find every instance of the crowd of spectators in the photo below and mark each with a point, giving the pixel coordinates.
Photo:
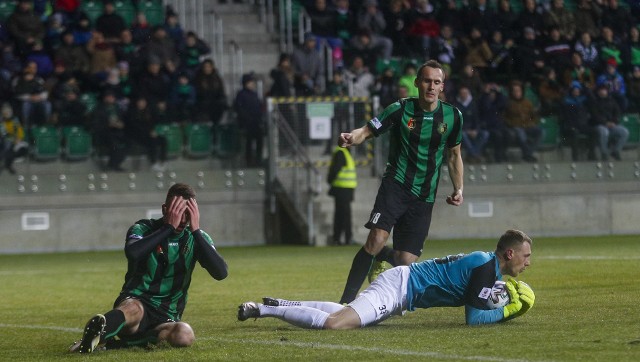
(60, 67)
(508, 63)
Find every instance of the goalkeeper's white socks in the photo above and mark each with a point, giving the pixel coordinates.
(300, 316)
(328, 307)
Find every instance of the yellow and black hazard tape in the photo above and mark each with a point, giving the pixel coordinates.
(319, 163)
(319, 99)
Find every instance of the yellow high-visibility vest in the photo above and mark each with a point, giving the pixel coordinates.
(346, 178)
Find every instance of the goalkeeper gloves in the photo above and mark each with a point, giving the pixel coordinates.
(526, 296)
(512, 309)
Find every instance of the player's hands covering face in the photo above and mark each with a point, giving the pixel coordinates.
(174, 212)
(193, 214)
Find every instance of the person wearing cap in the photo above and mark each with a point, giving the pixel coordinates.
(605, 120)
(615, 83)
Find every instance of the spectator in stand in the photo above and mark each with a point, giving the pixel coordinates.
(109, 23)
(474, 135)
(507, 20)
(140, 129)
(450, 14)
(12, 144)
(477, 51)
(610, 47)
(386, 87)
(531, 17)
(249, 111)
(447, 47)
(614, 81)
(605, 120)
(154, 85)
(30, 94)
(559, 17)
(308, 65)
(73, 56)
(362, 45)
(211, 98)
(82, 32)
(345, 22)
(282, 77)
(125, 85)
(617, 18)
(161, 47)
(323, 25)
(129, 52)
(370, 17)
(557, 51)
(55, 82)
(501, 67)
(588, 51)
(575, 122)
(550, 92)
(191, 51)
(422, 28)
(481, 16)
(407, 79)
(633, 82)
(108, 130)
(25, 27)
(182, 99)
(70, 111)
(140, 29)
(491, 108)
(580, 73)
(471, 79)
(55, 29)
(38, 55)
(362, 79)
(172, 27)
(103, 59)
(337, 87)
(69, 8)
(395, 14)
(522, 121)
(633, 49)
(527, 54)
(587, 17)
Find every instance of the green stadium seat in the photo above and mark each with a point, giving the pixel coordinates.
(631, 122)
(199, 142)
(173, 133)
(125, 9)
(393, 63)
(227, 140)
(551, 133)
(6, 9)
(46, 143)
(153, 10)
(93, 9)
(77, 143)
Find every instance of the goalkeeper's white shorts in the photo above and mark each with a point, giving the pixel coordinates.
(386, 296)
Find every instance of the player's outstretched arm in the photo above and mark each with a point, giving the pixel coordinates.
(355, 137)
(475, 316)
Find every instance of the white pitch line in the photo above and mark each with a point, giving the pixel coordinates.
(37, 272)
(393, 352)
(52, 328)
(590, 257)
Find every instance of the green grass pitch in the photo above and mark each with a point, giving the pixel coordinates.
(587, 293)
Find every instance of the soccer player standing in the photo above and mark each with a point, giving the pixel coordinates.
(421, 129)
(161, 256)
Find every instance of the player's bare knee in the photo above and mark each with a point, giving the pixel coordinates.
(132, 309)
(376, 241)
(181, 335)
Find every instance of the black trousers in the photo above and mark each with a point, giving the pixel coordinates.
(342, 217)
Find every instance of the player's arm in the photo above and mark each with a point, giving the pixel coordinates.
(456, 173)
(355, 137)
(475, 316)
(205, 252)
(138, 247)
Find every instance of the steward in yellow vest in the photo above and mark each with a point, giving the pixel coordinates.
(343, 180)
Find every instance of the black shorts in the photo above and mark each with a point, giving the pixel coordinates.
(398, 209)
(151, 318)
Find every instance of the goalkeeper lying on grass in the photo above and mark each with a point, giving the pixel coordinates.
(452, 281)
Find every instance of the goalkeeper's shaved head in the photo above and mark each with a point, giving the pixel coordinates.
(512, 239)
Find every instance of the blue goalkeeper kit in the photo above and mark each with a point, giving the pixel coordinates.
(456, 280)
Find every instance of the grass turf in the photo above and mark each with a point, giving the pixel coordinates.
(586, 307)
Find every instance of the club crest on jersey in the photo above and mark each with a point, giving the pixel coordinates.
(442, 128)
(412, 123)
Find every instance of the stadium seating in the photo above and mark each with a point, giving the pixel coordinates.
(6, 8)
(46, 143)
(153, 10)
(551, 133)
(227, 140)
(173, 133)
(125, 9)
(77, 143)
(93, 9)
(631, 121)
(199, 142)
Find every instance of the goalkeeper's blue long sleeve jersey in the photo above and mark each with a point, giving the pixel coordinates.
(454, 281)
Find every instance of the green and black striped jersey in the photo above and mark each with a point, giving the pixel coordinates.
(417, 142)
(162, 279)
